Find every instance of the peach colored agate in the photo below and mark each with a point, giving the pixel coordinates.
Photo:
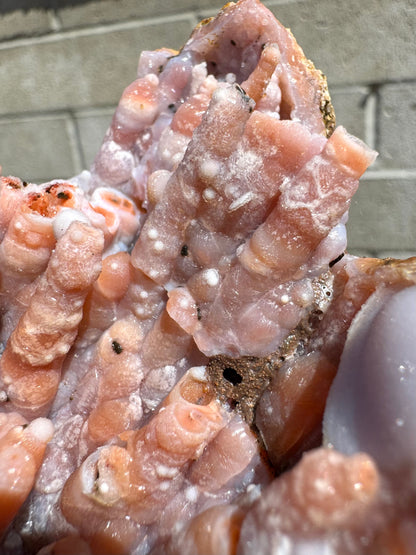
(190, 364)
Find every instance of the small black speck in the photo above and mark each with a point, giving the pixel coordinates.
(24, 183)
(233, 404)
(337, 259)
(244, 95)
(184, 250)
(233, 42)
(214, 64)
(240, 89)
(232, 375)
(63, 196)
(160, 68)
(71, 397)
(117, 348)
(198, 313)
(172, 107)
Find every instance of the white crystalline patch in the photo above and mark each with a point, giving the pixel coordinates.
(171, 284)
(239, 249)
(53, 486)
(284, 299)
(82, 180)
(146, 136)
(143, 294)
(117, 161)
(198, 373)
(211, 277)
(65, 218)
(209, 169)
(172, 144)
(104, 488)
(241, 201)
(209, 194)
(222, 94)
(176, 158)
(42, 429)
(199, 74)
(152, 233)
(153, 79)
(161, 378)
(322, 485)
(158, 246)
(245, 163)
(64, 348)
(191, 494)
(184, 302)
(317, 546)
(305, 298)
(164, 471)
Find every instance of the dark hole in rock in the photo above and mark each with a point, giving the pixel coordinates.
(232, 376)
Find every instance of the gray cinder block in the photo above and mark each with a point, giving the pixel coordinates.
(39, 148)
(351, 109)
(382, 215)
(107, 11)
(92, 125)
(80, 69)
(397, 124)
(356, 41)
(25, 23)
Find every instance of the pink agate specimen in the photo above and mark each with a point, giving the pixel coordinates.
(180, 325)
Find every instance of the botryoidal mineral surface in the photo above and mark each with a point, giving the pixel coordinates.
(191, 362)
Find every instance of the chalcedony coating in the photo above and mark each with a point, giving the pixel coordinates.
(191, 364)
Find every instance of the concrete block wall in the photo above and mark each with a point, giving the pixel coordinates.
(64, 64)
